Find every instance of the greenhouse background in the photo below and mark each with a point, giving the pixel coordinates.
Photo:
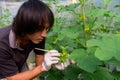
(63, 15)
(13, 5)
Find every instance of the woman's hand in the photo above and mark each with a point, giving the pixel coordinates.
(50, 58)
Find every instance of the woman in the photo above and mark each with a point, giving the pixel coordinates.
(27, 32)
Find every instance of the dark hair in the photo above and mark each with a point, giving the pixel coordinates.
(32, 16)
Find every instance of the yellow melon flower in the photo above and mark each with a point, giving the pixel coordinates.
(63, 54)
(84, 18)
(87, 29)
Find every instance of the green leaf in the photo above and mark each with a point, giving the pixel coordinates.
(54, 74)
(97, 12)
(94, 42)
(66, 8)
(106, 2)
(70, 32)
(96, 25)
(116, 6)
(107, 47)
(117, 17)
(114, 62)
(71, 73)
(50, 77)
(100, 74)
(116, 75)
(85, 61)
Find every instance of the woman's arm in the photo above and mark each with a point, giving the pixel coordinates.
(39, 59)
(27, 75)
(50, 58)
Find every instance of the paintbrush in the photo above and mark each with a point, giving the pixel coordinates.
(42, 49)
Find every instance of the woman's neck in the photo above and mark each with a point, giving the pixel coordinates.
(22, 42)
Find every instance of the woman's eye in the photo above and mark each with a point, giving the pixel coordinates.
(47, 29)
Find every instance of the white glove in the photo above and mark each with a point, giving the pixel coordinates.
(63, 65)
(50, 58)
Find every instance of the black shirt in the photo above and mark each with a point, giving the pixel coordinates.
(12, 59)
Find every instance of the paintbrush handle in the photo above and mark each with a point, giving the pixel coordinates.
(42, 49)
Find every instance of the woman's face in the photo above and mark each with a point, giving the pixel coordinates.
(37, 37)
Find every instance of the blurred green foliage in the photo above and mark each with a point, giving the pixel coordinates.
(92, 37)
(5, 17)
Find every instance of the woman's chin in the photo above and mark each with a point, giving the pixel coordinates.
(37, 41)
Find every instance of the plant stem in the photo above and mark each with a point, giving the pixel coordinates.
(83, 19)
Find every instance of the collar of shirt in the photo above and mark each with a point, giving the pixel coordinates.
(12, 40)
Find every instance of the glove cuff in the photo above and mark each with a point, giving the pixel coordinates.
(46, 68)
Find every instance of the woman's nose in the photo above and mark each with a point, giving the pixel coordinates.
(44, 33)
